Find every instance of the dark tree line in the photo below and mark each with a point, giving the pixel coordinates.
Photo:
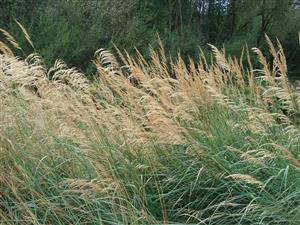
(74, 29)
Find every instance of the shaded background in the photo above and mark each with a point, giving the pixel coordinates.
(74, 29)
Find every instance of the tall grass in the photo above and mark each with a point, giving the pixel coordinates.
(155, 142)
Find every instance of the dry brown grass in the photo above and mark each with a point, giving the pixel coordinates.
(142, 105)
(145, 101)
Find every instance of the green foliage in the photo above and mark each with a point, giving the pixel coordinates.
(74, 29)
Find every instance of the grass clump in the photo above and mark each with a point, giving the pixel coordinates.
(154, 142)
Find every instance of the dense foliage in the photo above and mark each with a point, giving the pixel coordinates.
(74, 29)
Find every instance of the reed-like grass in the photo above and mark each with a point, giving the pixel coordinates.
(155, 142)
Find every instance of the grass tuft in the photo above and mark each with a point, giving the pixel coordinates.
(154, 142)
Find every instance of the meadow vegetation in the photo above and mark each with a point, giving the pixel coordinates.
(158, 141)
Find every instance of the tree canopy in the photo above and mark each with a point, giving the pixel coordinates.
(74, 29)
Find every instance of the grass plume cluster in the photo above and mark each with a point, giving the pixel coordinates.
(156, 142)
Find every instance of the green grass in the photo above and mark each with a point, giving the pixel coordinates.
(179, 183)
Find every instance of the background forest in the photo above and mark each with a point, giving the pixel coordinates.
(73, 29)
